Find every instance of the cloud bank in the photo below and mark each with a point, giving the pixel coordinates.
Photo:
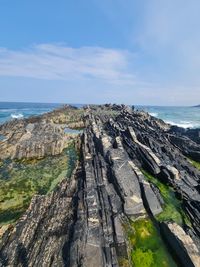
(93, 74)
(60, 62)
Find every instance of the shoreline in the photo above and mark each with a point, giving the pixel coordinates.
(185, 117)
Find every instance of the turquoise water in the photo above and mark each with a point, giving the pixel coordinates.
(9, 110)
(2, 137)
(71, 131)
(187, 117)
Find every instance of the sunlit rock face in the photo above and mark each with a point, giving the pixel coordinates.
(117, 196)
(40, 136)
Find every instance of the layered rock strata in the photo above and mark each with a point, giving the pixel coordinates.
(41, 136)
(81, 223)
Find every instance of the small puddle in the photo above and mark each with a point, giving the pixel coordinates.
(2, 137)
(72, 131)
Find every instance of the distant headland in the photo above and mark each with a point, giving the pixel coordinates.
(197, 106)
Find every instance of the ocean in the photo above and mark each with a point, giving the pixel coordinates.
(187, 117)
(16, 110)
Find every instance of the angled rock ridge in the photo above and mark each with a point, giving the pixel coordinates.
(83, 222)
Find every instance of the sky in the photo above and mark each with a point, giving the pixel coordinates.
(100, 51)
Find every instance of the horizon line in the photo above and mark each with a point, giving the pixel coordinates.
(60, 103)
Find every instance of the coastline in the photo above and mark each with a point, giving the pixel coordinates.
(186, 117)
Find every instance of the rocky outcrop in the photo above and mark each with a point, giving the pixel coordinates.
(81, 223)
(197, 106)
(34, 140)
(41, 136)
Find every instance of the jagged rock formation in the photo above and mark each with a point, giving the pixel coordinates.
(40, 136)
(81, 224)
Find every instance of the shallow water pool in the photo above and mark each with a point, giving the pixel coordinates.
(2, 137)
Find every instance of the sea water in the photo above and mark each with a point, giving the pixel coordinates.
(12, 110)
(187, 117)
(16, 110)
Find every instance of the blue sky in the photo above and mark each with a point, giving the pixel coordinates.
(92, 51)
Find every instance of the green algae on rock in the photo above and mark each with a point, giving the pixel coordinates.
(172, 209)
(196, 164)
(21, 180)
(123, 262)
(147, 247)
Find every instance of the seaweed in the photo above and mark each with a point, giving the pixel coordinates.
(21, 180)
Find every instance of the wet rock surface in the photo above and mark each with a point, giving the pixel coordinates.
(81, 223)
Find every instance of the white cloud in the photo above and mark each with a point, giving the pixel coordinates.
(93, 74)
(55, 61)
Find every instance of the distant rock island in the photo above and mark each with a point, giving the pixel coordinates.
(197, 106)
(122, 190)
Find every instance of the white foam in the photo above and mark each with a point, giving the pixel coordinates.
(17, 116)
(184, 124)
(153, 114)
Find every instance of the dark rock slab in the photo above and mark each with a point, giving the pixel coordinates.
(181, 244)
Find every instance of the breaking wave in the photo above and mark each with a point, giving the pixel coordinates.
(153, 114)
(184, 124)
(17, 116)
